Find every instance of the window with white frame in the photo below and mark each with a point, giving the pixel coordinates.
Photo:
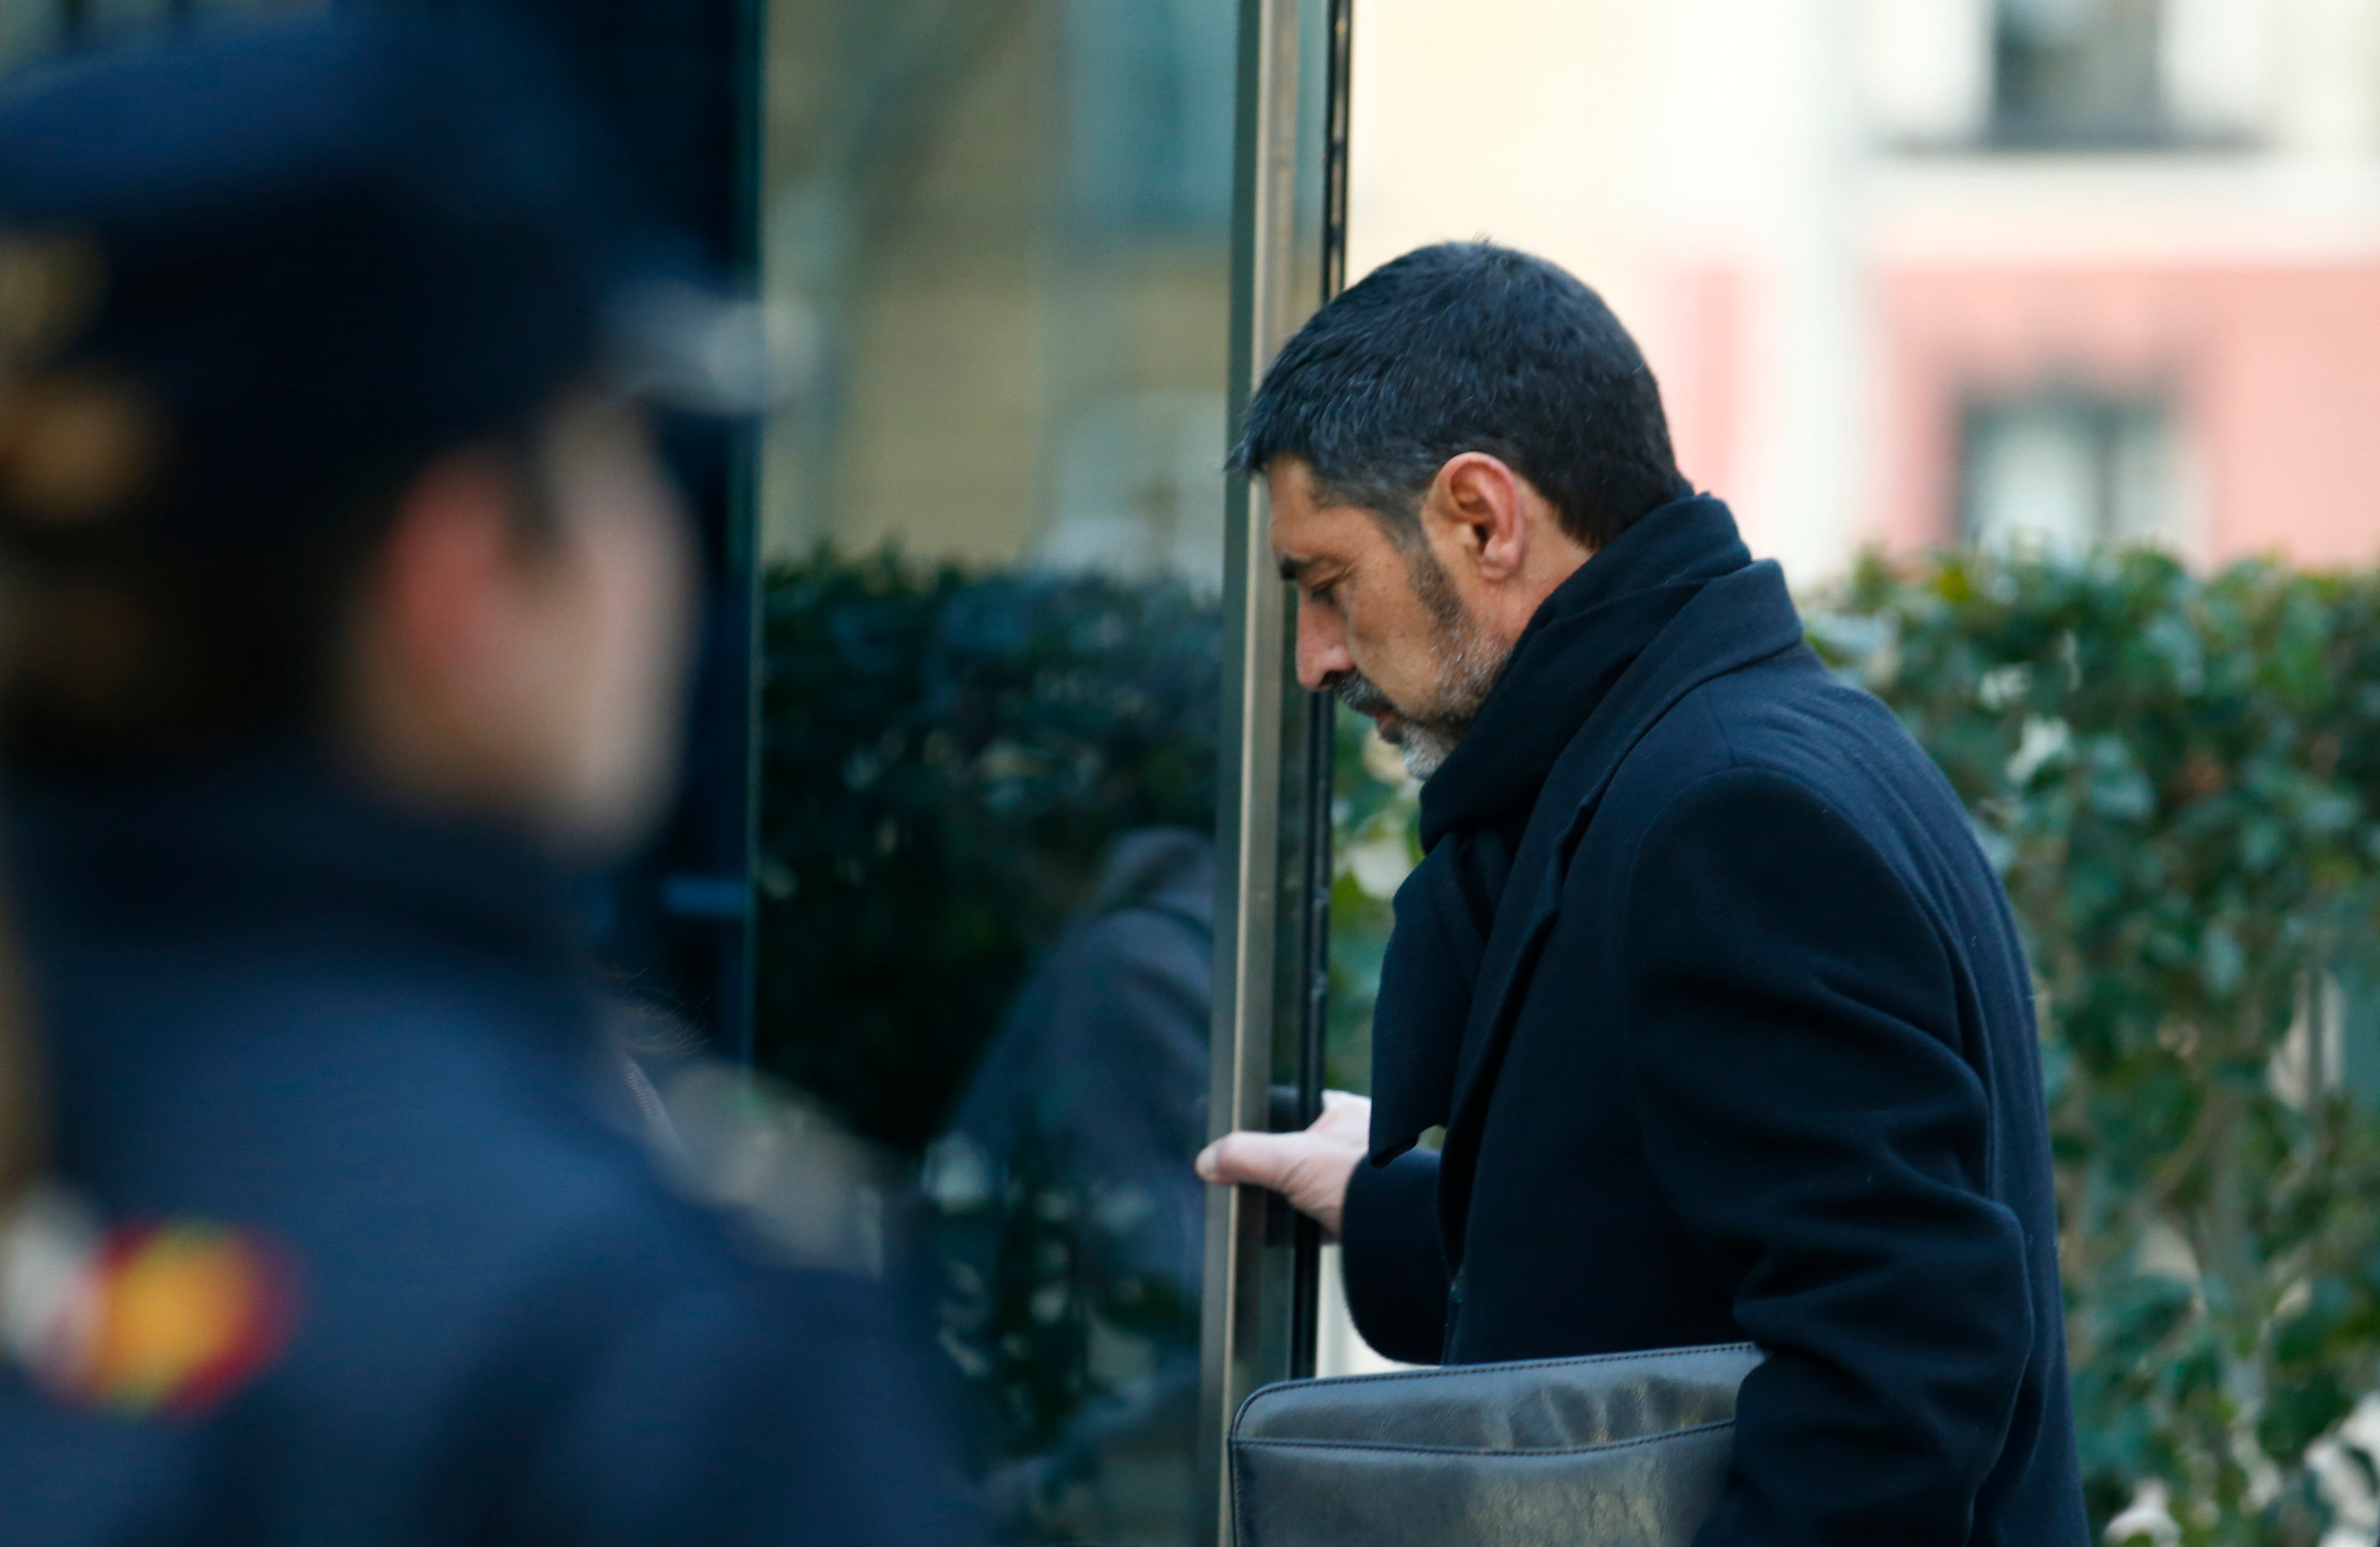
(2076, 72)
(2066, 74)
(2065, 472)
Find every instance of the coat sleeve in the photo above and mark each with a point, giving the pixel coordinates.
(769, 1408)
(1807, 1108)
(1395, 1266)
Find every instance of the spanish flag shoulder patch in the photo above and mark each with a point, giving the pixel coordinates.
(163, 1317)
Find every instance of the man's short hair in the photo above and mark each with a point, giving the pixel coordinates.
(1467, 346)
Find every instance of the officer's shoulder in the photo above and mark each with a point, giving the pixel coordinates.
(425, 1129)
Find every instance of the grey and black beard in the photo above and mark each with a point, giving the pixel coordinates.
(1424, 745)
(1468, 663)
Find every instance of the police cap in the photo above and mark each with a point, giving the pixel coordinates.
(250, 276)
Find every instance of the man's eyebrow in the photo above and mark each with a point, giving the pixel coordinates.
(1293, 570)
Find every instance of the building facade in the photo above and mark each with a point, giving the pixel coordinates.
(2053, 272)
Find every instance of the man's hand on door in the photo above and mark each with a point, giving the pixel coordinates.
(1310, 1167)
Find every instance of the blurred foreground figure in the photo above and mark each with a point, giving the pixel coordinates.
(349, 611)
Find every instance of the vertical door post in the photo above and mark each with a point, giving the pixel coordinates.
(1274, 806)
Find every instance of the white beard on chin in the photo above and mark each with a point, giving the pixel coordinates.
(1424, 748)
(1468, 666)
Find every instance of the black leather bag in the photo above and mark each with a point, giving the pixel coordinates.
(1616, 1450)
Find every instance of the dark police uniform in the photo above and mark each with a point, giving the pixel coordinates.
(361, 1037)
(369, 1266)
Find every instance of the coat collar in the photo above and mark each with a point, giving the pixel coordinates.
(1733, 622)
(265, 838)
(1583, 642)
(1582, 639)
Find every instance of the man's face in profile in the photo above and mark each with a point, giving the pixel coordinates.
(1379, 622)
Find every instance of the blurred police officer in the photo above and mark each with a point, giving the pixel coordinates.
(348, 611)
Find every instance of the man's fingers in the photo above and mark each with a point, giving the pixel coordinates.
(1249, 1159)
(1273, 1159)
(1309, 1168)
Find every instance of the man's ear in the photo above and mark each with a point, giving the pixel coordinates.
(1476, 513)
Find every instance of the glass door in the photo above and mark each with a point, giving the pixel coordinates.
(1034, 894)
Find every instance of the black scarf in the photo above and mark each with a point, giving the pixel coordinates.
(1579, 645)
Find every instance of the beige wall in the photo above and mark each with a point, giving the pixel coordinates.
(1505, 119)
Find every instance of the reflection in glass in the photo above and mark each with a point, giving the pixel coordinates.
(994, 533)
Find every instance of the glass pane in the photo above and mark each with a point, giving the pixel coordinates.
(993, 540)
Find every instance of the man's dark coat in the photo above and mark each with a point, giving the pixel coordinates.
(1727, 1020)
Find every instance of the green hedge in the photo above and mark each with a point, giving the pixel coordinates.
(946, 758)
(2180, 779)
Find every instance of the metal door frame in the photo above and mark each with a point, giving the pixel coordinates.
(1271, 935)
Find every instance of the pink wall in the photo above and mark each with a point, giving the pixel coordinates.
(2274, 375)
(1697, 350)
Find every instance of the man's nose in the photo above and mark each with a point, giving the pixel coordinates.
(1322, 657)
